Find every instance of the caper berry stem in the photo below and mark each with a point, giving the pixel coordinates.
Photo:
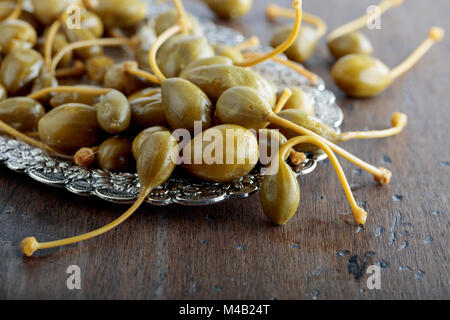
(30, 245)
(89, 43)
(32, 134)
(183, 19)
(290, 64)
(250, 43)
(154, 50)
(362, 21)
(381, 175)
(399, 122)
(297, 5)
(436, 34)
(132, 69)
(77, 70)
(15, 14)
(51, 34)
(84, 90)
(359, 214)
(287, 93)
(273, 11)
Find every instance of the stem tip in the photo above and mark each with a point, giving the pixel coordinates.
(359, 215)
(384, 176)
(29, 246)
(437, 33)
(297, 4)
(399, 120)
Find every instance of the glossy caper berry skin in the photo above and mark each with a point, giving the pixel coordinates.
(5, 9)
(3, 93)
(361, 76)
(114, 154)
(23, 114)
(62, 98)
(270, 141)
(243, 106)
(141, 57)
(98, 66)
(44, 80)
(214, 80)
(229, 51)
(183, 51)
(16, 34)
(239, 143)
(230, 9)
(185, 103)
(155, 159)
(19, 68)
(117, 78)
(216, 60)
(353, 42)
(113, 112)
(304, 45)
(70, 127)
(47, 11)
(148, 112)
(170, 17)
(299, 100)
(280, 194)
(142, 136)
(119, 13)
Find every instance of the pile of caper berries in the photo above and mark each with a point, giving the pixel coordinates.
(62, 92)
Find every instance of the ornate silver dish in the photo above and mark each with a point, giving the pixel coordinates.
(181, 188)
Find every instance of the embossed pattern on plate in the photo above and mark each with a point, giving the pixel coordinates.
(180, 188)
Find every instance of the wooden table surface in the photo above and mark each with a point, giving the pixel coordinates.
(229, 250)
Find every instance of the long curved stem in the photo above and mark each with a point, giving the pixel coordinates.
(273, 11)
(15, 14)
(183, 20)
(154, 50)
(250, 43)
(399, 122)
(435, 34)
(358, 213)
(292, 65)
(89, 43)
(84, 90)
(51, 34)
(381, 175)
(362, 21)
(77, 70)
(131, 68)
(297, 5)
(31, 245)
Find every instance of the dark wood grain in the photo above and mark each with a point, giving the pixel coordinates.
(230, 251)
